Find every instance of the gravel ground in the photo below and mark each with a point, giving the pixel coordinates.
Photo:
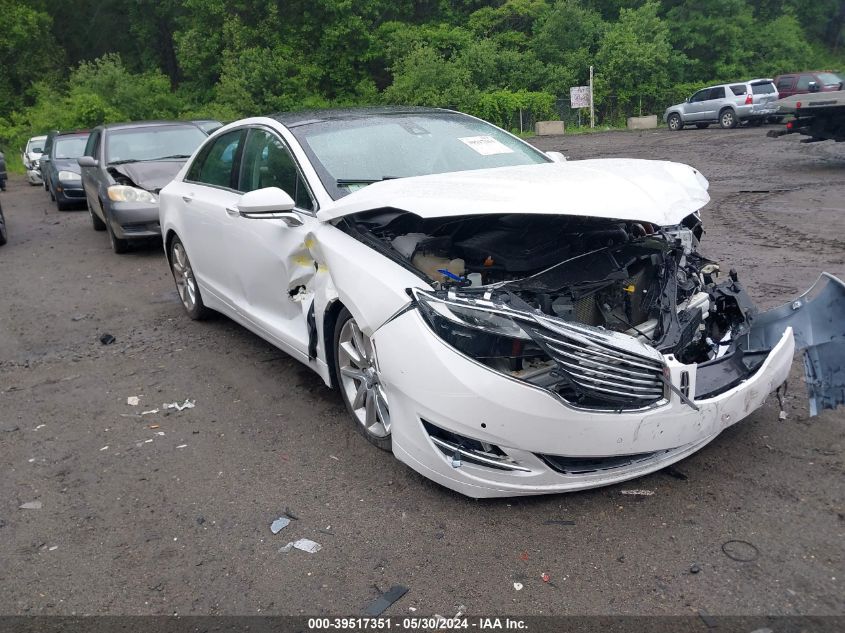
(161, 514)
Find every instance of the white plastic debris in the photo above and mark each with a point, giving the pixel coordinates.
(133, 401)
(40, 426)
(517, 586)
(150, 412)
(279, 524)
(638, 493)
(159, 432)
(182, 446)
(52, 548)
(30, 505)
(307, 545)
(188, 404)
(105, 448)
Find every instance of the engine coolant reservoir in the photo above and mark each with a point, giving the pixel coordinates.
(430, 264)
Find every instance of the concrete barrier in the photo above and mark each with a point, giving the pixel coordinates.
(548, 128)
(642, 122)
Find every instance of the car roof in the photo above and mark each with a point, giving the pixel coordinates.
(128, 125)
(305, 117)
(73, 133)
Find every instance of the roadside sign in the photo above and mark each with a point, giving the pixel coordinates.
(579, 96)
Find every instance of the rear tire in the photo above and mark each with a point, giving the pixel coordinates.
(702, 126)
(675, 122)
(727, 119)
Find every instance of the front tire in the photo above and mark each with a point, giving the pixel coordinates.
(675, 122)
(186, 283)
(727, 119)
(358, 379)
(96, 222)
(4, 236)
(118, 245)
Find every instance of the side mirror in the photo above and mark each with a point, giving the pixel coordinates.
(87, 161)
(270, 203)
(557, 157)
(814, 87)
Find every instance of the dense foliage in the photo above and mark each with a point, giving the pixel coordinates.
(75, 64)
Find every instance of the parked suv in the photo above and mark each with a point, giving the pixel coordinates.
(124, 167)
(725, 104)
(809, 81)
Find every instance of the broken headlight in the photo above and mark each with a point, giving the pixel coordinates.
(491, 337)
(124, 193)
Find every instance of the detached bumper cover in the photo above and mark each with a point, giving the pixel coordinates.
(817, 319)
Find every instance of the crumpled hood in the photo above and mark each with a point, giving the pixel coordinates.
(659, 192)
(150, 175)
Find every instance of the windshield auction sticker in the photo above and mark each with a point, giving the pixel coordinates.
(486, 145)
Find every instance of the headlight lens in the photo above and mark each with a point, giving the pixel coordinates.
(69, 175)
(124, 193)
(492, 338)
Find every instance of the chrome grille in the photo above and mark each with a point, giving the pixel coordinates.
(596, 374)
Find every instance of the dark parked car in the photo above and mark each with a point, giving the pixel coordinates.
(63, 178)
(3, 234)
(44, 160)
(2, 172)
(806, 82)
(125, 166)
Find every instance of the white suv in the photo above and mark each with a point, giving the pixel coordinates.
(725, 104)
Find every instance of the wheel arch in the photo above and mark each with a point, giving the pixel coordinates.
(330, 316)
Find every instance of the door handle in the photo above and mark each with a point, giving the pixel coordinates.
(188, 198)
(232, 211)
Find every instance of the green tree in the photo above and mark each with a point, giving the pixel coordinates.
(635, 56)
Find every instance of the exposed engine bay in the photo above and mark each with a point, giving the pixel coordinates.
(610, 280)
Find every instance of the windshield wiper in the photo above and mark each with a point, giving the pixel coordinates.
(345, 182)
(147, 160)
(168, 157)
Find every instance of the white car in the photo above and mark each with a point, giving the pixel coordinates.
(506, 322)
(30, 157)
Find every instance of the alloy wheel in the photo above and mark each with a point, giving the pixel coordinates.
(360, 382)
(184, 276)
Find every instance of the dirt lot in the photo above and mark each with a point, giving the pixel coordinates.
(175, 519)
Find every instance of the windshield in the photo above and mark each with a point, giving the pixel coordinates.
(35, 145)
(829, 79)
(349, 154)
(152, 143)
(69, 146)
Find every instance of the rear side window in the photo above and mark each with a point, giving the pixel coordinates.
(214, 164)
(785, 83)
(738, 89)
(717, 93)
(763, 89)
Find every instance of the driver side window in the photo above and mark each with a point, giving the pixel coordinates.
(701, 95)
(267, 162)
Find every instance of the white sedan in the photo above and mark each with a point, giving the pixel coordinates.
(505, 321)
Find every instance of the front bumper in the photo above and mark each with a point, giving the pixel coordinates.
(33, 177)
(69, 191)
(535, 429)
(134, 220)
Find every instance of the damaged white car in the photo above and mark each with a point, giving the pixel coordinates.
(506, 322)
